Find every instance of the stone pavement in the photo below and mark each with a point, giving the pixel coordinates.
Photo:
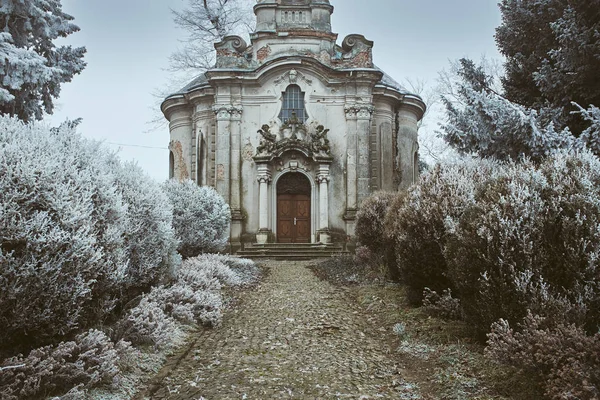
(293, 337)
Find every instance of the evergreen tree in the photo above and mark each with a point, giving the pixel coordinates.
(552, 49)
(32, 68)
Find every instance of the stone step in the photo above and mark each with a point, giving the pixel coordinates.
(289, 256)
(291, 251)
(292, 245)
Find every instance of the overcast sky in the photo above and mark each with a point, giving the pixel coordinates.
(129, 42)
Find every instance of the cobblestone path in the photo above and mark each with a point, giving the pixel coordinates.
(293, 337)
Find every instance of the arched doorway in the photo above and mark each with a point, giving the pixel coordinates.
(293, 208)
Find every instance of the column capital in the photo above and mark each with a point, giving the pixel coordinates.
(264, 178)
(323, 178)
(226, 112)
(359, 111)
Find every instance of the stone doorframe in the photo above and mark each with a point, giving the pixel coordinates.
(297, 149)
(267, 204)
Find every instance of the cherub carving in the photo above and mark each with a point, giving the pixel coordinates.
(319, 141)
(268, 142)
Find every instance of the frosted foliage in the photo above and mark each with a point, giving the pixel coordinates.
(481, 121)
(150, 238)
(91, 359)
(591, 135)
(78, 229)
(193, 298)
(32, 67)
(419, 222)
(62, 246)
(147, 323)
(531, 241)
(563, 356)
(201, 217)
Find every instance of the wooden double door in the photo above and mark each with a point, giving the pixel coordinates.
(293, 218)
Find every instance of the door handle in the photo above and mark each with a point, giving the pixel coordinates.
(294, 221)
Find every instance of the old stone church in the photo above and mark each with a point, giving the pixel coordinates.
(294, 130)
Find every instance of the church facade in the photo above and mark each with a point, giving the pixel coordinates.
(294, 130)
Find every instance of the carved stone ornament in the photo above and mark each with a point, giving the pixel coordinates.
(268, 143)
(311, 144)
(292, 77)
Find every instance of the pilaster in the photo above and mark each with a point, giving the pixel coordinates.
(264, 180)
(323, 181)
(351, 166)
(364, 113)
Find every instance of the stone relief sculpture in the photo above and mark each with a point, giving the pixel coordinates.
(319, 142)
(268, 142)
(316, 142)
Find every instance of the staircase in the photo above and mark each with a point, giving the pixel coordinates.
(291, 251)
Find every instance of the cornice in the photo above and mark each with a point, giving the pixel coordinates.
(414, 104)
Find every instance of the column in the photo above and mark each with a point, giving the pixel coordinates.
(222, 151)
(235, 173)
(363, 128)
(236, 158)
(264, 179)
(351, 173)
(323, 180)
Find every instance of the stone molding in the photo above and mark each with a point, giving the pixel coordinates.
(359, 111)
(227, 112)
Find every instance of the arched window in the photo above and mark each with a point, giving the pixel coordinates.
(293, 102)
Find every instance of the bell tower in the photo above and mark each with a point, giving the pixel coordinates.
(281, 24)
(292, 15)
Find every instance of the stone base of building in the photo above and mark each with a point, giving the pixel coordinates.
(262, 237)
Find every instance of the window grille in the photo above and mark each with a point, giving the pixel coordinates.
(293, 102)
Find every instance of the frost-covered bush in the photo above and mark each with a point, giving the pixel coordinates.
(416, 222)
(370, 232)
(147, 324)
(187, 305)
(62, 247)
(194, 297)
(201, 217)
(151, 246)
(370, 220)
(531, 241)
(78, 229)
(443, 305)
(206, 272)
(563, 356)
(90, 360)
(246, 270)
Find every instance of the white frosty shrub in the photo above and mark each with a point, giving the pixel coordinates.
(90, 360)
(562, 356)
(417, 223)
(201, 217)
(147, 323)
(531, 241)
(78, 230)
(150, 240)
(206, 272)
(187, 305)
(62, 247)
(246, 270)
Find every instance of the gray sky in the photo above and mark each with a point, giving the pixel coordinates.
(129, 43)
